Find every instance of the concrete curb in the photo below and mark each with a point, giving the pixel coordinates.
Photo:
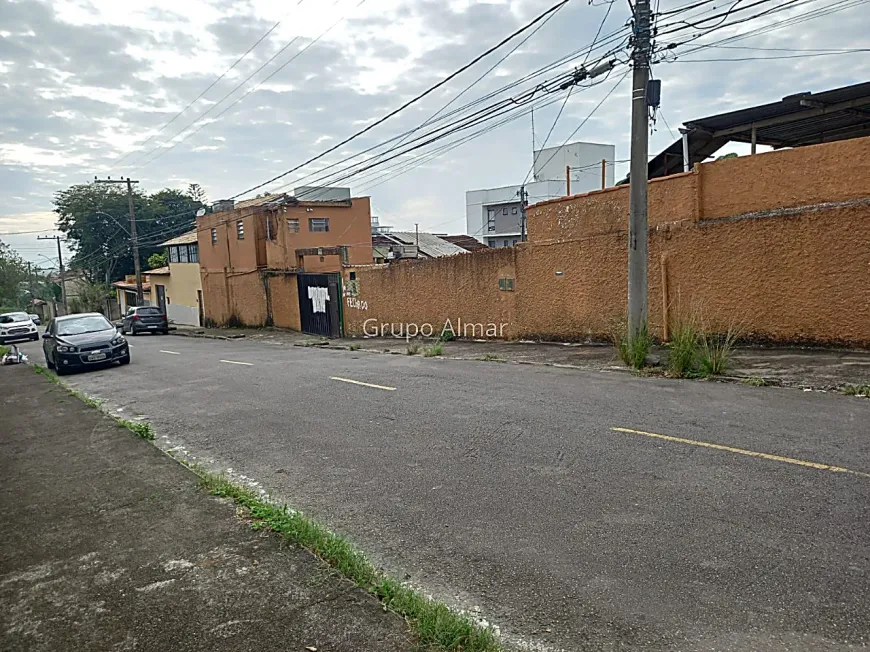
(208, 336)
(769, 381)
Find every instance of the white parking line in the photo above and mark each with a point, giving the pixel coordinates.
(171, 352)
(359, 382)
(247, 364)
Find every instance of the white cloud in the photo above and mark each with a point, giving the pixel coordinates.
(86, 82)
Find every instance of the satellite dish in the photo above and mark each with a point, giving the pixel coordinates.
(200, 212)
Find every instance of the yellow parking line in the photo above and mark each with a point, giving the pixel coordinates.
(359, 382)
(742, 451)
(247, 364)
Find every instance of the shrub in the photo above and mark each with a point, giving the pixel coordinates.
(632, 351)
(432, 351)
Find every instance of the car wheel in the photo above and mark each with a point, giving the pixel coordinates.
(49, 363)
(125, 359)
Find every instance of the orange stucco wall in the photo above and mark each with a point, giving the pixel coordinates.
(349, 226)
(776, 244)
(285, 302)
(461, 287)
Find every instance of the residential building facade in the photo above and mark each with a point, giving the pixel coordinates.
(494, 215)
(263, 260)
(177, 288)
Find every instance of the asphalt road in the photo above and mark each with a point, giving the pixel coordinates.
(506, 487)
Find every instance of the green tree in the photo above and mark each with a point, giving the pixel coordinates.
(196, 193)
(157, 260)
(13, 279)
(92, 297)
(95, 219)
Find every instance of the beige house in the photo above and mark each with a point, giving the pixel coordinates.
(177, 288)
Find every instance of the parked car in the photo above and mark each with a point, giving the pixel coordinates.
(35, 319)
(145, 319)
(17, 326)
(84, 340)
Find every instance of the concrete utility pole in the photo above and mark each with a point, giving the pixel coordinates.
(524, 201)
(60, 269)
(137, 267)
(637, 221)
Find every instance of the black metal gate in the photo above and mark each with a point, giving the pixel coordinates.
(320, 304)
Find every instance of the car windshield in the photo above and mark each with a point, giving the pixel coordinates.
(80, 325)
(12, 317)
(149, 311)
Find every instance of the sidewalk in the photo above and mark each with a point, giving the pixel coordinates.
(107, 544)
(817, 368)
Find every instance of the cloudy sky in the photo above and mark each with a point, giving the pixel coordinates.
(85, 83)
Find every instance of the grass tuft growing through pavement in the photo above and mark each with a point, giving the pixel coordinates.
(437, 625)
(3, 350)
(857, 390)
(434, 350)
(138, 428)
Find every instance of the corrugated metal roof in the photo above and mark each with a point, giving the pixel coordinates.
(429, 245)
(794, 121)
(184, 238)
(467, 242)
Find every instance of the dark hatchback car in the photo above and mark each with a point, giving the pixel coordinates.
(145, 319)
(79, 341)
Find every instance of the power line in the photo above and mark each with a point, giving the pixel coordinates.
(199, 97)
(587, 118)
(139, 162)
(774, 58)
(432, 117)
(401, 137)
(568, 96)
(409, 102)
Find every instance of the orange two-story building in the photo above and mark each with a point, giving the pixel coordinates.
(275, 260)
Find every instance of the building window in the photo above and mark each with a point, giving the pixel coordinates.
(514, 210)
(514, 242)
(182, 254)
(506, 284)
(504, 211)
(293, 225)
(194, 253)
(240, 229)
(270, 229)
(507, 243)
(490, 214)
(173, 254)
(318, 224)
(214, 236)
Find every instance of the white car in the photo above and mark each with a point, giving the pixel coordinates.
(17, 326)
